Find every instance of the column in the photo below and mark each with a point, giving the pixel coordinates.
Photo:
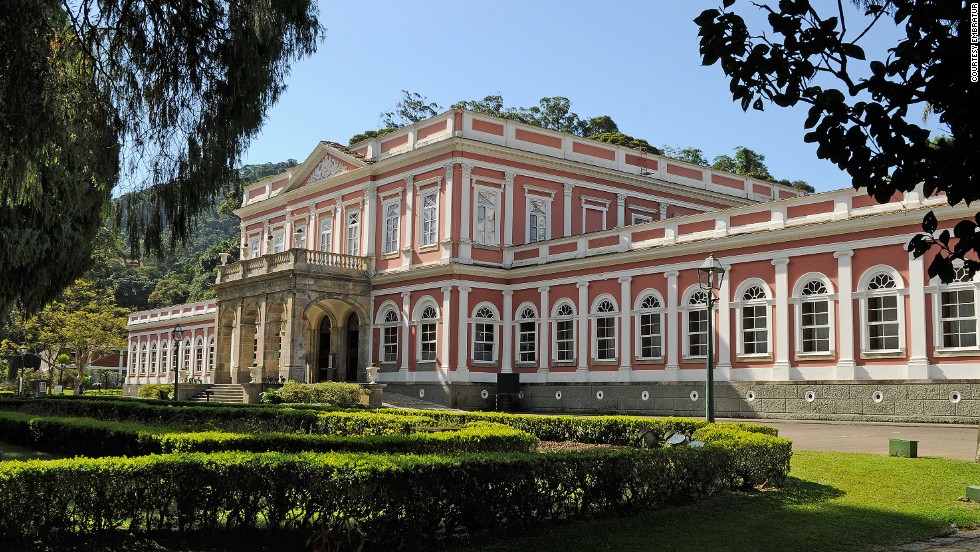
(544, 334)
(780, 366)
(408, 223)
(406, 324)
(462, 344)
(663, 211)
(444, 335)
(287, 232)
(465, 244)
(723, 367)
(918, 360)
(672, 341)
(338, 228)
(625, 328)
(260, 326)
(266, 238)
(845, 305)
(446, 212)
(368, 223)
(370, 337)
(620, 210)
(507, 356)
(508, 219)
(286, 340)
(583, 329)
(568, 208)
(235, 347)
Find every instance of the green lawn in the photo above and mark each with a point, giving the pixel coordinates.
(833, 501)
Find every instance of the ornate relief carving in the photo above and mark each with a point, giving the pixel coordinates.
(328, 167)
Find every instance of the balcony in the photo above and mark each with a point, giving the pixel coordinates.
(297, 260)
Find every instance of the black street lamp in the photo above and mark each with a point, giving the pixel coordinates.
(23, 359)
(177, 335)
(710, 275)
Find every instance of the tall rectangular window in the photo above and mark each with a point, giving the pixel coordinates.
(959, 319)
(326, 234)
(253, 247)
(390, 341)
(278, 242)
(430, 218)
(427, 337)
(755, 333)
(697, 333)
(650, 340)
(527, 342)
(483, 341)
(815, 325)
(883, 323)
(299, 237)
(537, 222)
(486, 218)
(392, 215)
(353, 232)
(565, 341)
(605, 333)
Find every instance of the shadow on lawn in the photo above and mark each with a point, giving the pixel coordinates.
(802, 516)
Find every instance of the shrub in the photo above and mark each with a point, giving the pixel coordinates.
(161, 391)
(757, 459)
(79, 436)
(331, 393)
(386, 501)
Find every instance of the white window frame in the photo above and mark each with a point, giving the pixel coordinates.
(937, 289)
(429, 218)
(352, 237)
(164, 357)
(279, 240)
(545, 202)
(300, 239)
(390, 328)
(798, 300)
(186, 361)
(144, 359)
(864, 294)
(739, 306)
(639, 311)
(613, 315)
(391, 235)
(526, 357)
(255, 247)
(420, 321)
(480, 235)
(211, 358)
(153, 358)
(199, 355)
(326, 234)
(495, 324)
(555, 320)
(687, 308)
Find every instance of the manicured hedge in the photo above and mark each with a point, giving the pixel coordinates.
(382, 501)
(71, 436)
(757, 458)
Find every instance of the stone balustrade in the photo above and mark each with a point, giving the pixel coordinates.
(294, 259)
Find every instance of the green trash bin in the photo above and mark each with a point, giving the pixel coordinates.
(904, 448)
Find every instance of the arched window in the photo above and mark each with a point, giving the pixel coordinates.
(199, 356)
(143, 358)
(133, 360)
(649, 330)
(604, 314)
(527, 336)
(753, 319)
(153, 357)
(427, 334)
(957, 312)
(165, 357)
(697, 324)
(389, 336)
(186, 362)
(564, 335)
(485, 322)
(211, 353)
(814, 319)
(882, 312)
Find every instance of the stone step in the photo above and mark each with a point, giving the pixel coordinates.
(225, 393)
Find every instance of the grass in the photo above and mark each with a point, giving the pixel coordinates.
(14, 452)
(833, 501)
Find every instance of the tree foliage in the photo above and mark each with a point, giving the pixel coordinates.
(868, 125)
(165, 94)
(687, 154)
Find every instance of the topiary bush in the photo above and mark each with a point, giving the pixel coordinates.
(162, 391)
(331, 393)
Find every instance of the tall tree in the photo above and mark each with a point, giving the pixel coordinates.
(746, 162)
(412, 108)
(165, 94)
(688, 154)
(868, 125)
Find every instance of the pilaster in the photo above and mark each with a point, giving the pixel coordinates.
(446, 211)
(625, 328)
(406, 324)
(465, 207)
(569, 187)
(672, 340)
(846, 366)
(544, 334)
(507, 356)
(462, 343)
(918, 368)
(583, 329)
(780, 366)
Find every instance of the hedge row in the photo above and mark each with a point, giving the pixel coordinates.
(382, 501)
(87, 437)
(245, 419)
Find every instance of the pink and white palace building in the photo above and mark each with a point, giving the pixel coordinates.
(464, 246)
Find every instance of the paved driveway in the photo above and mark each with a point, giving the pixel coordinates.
(957, 442)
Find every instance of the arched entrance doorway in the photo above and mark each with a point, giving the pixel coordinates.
(325, 363)
(353, 327)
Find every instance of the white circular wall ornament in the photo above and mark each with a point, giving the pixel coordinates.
(645, 396)
(877, 396)
(558, 395)
(955, 397)
(520, 395)
(421, 393)
(599, 395)
(750, 396)
(809, 396)
(694, 395)
(484, 394)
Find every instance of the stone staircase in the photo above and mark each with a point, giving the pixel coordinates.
(222, 392)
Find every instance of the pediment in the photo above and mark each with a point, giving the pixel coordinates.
(326, 161)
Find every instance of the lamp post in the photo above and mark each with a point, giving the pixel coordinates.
(23, 358)
(710, 275)
(177, 335)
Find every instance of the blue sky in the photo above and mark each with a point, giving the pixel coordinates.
(637, 62)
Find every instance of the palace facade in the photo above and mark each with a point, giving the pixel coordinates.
(464, 246)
